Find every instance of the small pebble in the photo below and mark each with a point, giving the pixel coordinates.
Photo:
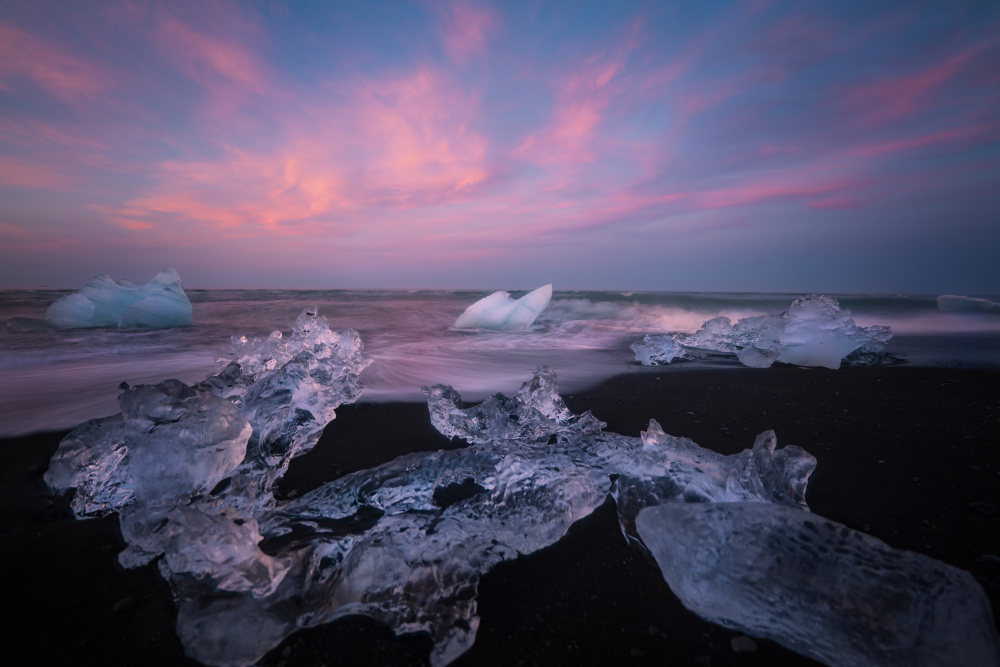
(703, 661)
(983, 508)
(915, 480)
(125, 603)
(988, 558)
(975, 469)
(636, 653)
(293, 493)
(743, 644)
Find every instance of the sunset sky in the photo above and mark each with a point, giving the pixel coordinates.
(782, 146)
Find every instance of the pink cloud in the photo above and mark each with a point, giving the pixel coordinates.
(465, 29)
(582, 96)
(210, 59)
(63, 74)
(962, 136)
(890, 99)
(26, 173)
(395, 142)
(31, 133)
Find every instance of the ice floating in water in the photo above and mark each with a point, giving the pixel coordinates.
(105, 302)
(814, 331)
(951, 303)
(500, 312)
(819, 588)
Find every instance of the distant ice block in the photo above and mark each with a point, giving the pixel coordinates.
(814, 331)
(825, 591)
(951, 303)
(500, 312)
(104, 302)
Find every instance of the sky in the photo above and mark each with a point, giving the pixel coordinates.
(748, 146)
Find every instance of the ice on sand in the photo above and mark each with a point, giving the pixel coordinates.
(814, 331)
(406, 542)
(819, 588)
(501, 313)
(104, 302)
(191, 470)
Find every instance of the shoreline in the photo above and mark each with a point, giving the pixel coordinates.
(903, 453)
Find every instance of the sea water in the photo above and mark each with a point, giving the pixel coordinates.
(51, 379)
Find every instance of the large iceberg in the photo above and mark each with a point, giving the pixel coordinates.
(500, 312)
(105, 302)
(814, 331)
(819, 588)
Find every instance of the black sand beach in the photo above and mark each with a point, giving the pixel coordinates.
(909, 455)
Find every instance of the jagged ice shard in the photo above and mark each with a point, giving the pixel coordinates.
(501, 313)
(105, 302)
(814, 331)
(825, 591)
(405, 542)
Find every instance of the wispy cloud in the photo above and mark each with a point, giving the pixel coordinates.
(493, 127)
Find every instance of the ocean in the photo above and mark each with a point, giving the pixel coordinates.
(55, 379)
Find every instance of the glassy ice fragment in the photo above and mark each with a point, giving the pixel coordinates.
(814, 331)
(655, 350)
(90, 462)
(817, 587)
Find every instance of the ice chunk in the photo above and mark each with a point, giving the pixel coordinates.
(407, 542)
(105, 302)
(817, 587)
(500, 312)
(171, 440)
(182, 440)
(754, 357)
(951, 303)
(90, 460)
(814, 331)
(657, 350)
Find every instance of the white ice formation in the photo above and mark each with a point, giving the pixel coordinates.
(951, 303)
(833, 594)
(814, 331)
(405, 542)
(105, 302)
(501, 313)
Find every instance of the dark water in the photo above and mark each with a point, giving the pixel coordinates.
(56, 379)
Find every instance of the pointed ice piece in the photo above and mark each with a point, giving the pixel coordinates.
(655, 350)
(817, 587)
(754, 357)
(105, 302)
(814, 331)
(501, 313)
(817, 333)
(91, 460)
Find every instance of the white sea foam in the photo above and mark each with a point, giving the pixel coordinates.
(53, 379)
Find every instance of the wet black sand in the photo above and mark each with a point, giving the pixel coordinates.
(909, 454)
